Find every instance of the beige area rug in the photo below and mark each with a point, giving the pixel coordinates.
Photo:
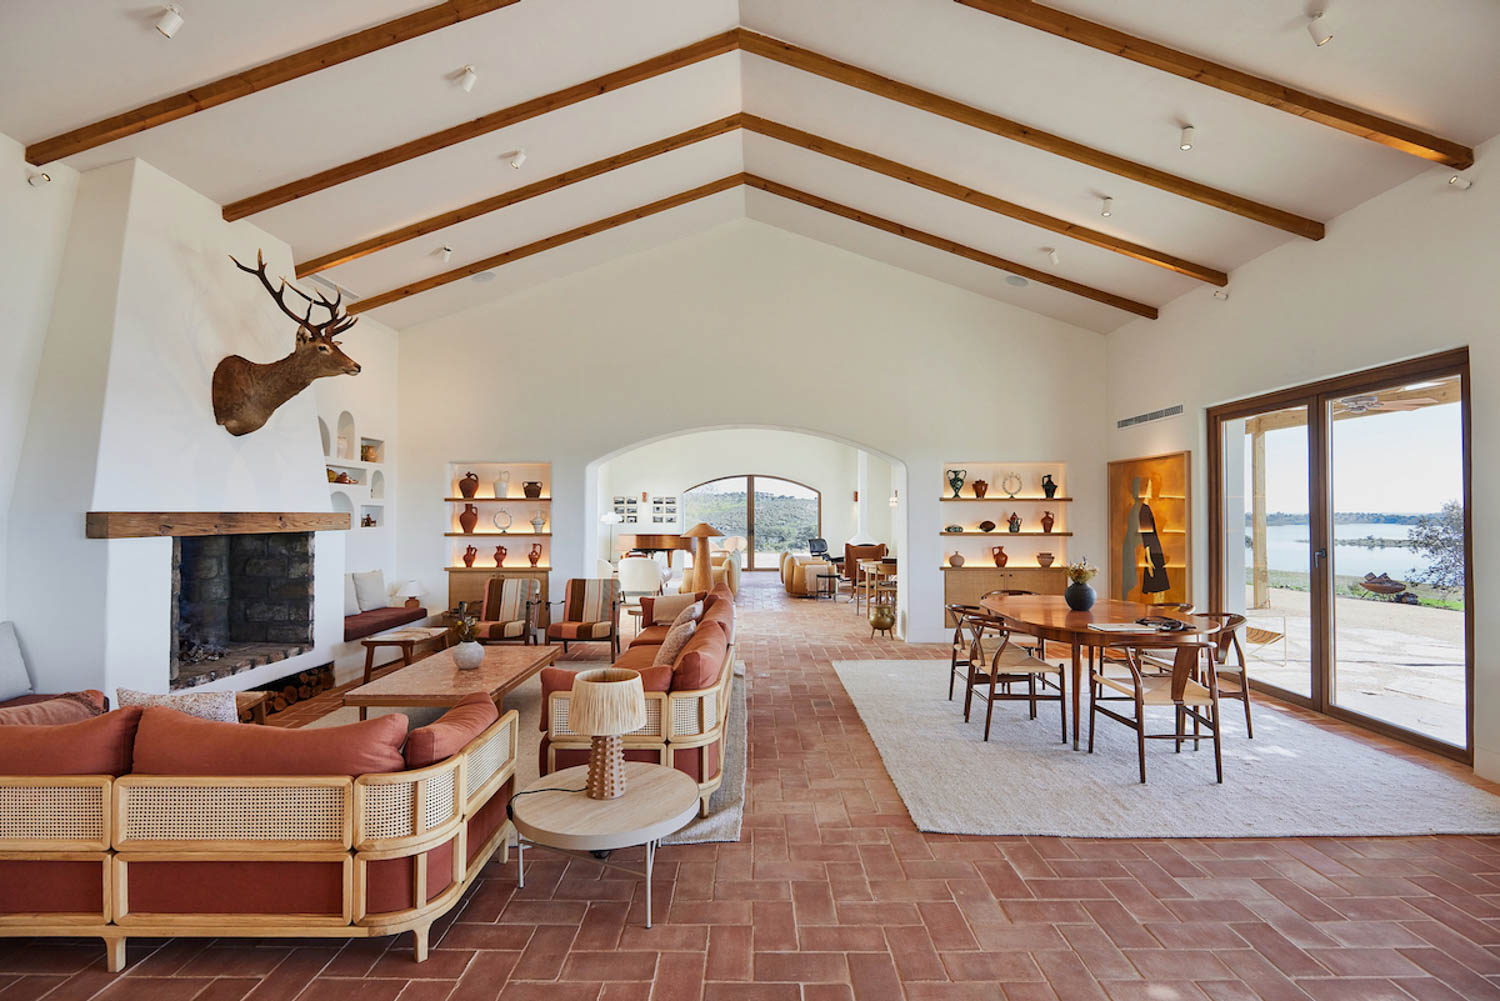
(1293, 780)
(726, 808)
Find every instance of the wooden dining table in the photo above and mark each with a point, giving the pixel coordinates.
(1048, 618)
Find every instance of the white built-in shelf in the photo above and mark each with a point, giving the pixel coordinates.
(1006, 534)
(497, 500)
(525, 566)
(496, 535)
(1033, 500)
(975, 565)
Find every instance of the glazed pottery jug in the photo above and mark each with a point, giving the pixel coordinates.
(500, 553)
(1044, 559)
(1047, 521)
(535, 556)
(468, 656)
(468, 485)
(538, 522)
(1015, 522)
(469, 555)
(981, 488)
(956, 479)
(998, 552)
(468, 518)
(532, 488)
(1079, 596)
(1049, 486)
(956, 560)
(502, 484)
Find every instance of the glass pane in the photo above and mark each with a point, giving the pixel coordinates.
(786, 517)
(1398, 557)
(724, 504)
(1267, 544)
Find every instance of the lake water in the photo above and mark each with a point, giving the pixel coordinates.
(1287, 549)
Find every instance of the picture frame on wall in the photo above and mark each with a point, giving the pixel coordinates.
(1150, 530)
(657, 519)
(630, 519)
(619, 502)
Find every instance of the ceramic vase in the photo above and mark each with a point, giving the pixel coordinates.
(538, 522)
(998, 552)
(1048, 521)
(532, 489)
(469, 555)
(502, 484)
(1049, 486)
(469, 484)
(468, 656)
(956, 560)
(956, 479)
(981, 488)
(986, 526)
(1044, 559)
(535, 556)
(1079, 596)
(1015, 522)
(468, 518)
(500, 553)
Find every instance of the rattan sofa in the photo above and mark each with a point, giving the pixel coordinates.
(308, 856)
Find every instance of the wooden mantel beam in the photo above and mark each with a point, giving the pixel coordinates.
(873, 83)
(1211, 74)
(245, 82)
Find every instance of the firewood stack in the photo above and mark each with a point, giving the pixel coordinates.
(295, 688)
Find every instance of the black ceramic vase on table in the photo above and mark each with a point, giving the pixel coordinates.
(1079, 596)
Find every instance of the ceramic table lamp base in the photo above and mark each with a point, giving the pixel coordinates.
(606, 768)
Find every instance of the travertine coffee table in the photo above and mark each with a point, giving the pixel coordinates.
(554, 813)
(437, 680)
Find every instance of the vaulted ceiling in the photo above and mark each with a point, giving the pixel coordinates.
(955, 138)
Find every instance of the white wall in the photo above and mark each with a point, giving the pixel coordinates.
(1411, 272)
(743, 325)
(33, 232)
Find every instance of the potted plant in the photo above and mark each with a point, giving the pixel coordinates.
(467, 653)
(1080, 595)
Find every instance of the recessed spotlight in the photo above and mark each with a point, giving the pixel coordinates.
(446, 253)
(1107, 207)
(1052, 255)
(517, 158)
(1016, 281)
(468, 79)
(1459, 182)
(1186, 142)
(38, 179)
(1221, 294)
(483, 276)
(170, 20)
(1318, 28)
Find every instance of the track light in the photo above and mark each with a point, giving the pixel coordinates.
(1052, 255)
(1186, 142)
(469, 79)
(1317, 27)
(895, 500)
(517, 157)
(1221, 294)
(1459, 182)
(170, 20)
(38, 179)
(446, 253)
(1107, 207)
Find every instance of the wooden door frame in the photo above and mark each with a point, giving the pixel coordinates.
(749, 479)
(1315, 397)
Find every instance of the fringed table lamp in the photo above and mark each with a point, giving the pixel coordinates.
(606, 705)
(703, 571)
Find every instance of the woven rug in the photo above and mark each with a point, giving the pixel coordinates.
(1294, 779)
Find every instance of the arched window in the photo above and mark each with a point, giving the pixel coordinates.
(774, 515)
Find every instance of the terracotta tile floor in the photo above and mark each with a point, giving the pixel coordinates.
(833, 895)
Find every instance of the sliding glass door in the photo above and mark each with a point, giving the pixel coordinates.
(1341, 532)
(773, 515)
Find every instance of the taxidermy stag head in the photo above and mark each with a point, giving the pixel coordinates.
(247, 393)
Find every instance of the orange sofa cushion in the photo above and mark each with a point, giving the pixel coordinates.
(450, 732)
(559, 679)
(69, 708)
(173, 743)
(98, 746)
(722, 612)
(702, 660)
(718, 594)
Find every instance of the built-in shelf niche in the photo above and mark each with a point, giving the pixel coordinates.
(346, 444)
(377, 485)
(372, 450)
(342, 504)
(373, 511)
(1029, 503)
(520, 534)
(326, 438)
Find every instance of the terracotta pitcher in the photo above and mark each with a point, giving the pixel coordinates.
(981, 487)
(500, 553)
(468, 518)
(998, 552)
(469, 484)
(469, 555)
(532, 488)
(1047, 521)
(535, 556)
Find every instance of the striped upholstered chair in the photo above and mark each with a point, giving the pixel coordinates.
(591, 611)
(510, 609)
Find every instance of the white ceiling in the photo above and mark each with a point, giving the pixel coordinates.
(1428, 64)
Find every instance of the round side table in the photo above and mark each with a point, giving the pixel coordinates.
(658, 801)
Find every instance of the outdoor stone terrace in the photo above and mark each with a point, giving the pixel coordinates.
(834, 895)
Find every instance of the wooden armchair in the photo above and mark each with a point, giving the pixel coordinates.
(510, 610)
(591, 612)
(1187, 697)
(1010, 665)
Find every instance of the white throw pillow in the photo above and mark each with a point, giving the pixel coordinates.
(218, 706)
(692, 613)
(14, 681)
(677, 638)
(351, 596)
(665, 609)
(370, 589)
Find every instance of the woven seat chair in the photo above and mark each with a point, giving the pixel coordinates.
(1010, 665)
(510, 610)
(1196, 700)
(1228, 638)
(590, 613)
(1029, 643)
(965, 641)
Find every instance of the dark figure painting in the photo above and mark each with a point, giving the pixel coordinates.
(1140, 533)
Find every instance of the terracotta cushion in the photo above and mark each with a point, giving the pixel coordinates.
(170, 743)
(560, 679)
(378, 620)
(450, 732)
(650, 636)
(69, 708)
(723, 614)
(720, 593)
(702, 660)
(98, 746)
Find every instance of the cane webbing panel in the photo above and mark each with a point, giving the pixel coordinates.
(44, 813)
(487, 758)
(440, 799)
(688, 720)
(386, 810)
(653, 727)
(228, 812)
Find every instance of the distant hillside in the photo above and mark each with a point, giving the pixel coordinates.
(1343, 518)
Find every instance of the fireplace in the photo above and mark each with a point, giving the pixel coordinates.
(239, 602)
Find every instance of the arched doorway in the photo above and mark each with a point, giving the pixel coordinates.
(773, 514)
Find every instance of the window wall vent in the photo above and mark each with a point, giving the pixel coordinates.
(1155, 415)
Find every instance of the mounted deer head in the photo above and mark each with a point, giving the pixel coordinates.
(247, 393)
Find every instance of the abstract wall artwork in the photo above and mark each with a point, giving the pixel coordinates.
(1149, 531)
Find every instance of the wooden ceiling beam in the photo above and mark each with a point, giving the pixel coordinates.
(853, 76)
(1211, 74)
(466, 212)
(246, 82)
(969, 196)
(538, 246)
(950, 246)
(645, 70)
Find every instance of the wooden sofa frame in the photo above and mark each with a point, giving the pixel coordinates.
(116, 822)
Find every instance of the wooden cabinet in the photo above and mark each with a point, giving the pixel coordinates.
(964, 585)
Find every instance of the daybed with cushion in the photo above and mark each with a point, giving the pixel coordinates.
(367, 610)
(153, 823)
(687, 699)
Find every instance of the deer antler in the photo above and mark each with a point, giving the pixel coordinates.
(277, 293)
(337, 321)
